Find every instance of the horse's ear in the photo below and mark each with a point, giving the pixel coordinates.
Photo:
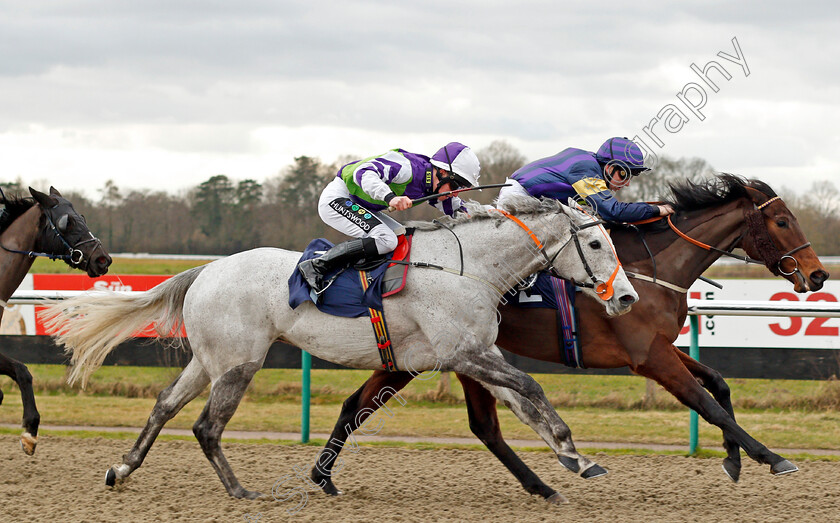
(756, 196)
(54, 191)
(578, 213)
(45, 200)
(573, 204)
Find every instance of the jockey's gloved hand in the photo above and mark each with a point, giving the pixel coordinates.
(665, 210)
(399, 203)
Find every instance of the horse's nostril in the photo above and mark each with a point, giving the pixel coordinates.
(818, 277)
(627, 299)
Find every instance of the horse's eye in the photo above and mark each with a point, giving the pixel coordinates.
(781, 223)
(62, 222)
(595, 244)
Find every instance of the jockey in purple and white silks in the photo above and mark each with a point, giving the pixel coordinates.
(351, 203)
(590, 177)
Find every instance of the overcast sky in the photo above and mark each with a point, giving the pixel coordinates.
(164, 94)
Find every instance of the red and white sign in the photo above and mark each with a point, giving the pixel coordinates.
(715, 331)
(82, 282)
(760, 331)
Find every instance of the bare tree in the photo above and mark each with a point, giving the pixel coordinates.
(498, 161)
(824, 198)
(653, 185)
(109, 200)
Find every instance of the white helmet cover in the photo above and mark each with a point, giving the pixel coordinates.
(459, 159)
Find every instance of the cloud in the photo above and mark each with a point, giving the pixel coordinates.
(198, 86)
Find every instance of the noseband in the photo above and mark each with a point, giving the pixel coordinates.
(74, 255)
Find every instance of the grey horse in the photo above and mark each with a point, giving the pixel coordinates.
(444, 319)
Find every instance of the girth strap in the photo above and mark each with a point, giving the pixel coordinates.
(657, 281)
(380, 331)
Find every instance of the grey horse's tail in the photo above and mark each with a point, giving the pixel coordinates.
(92, 325)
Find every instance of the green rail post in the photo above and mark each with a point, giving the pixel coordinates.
(694, 352)
(306, 367)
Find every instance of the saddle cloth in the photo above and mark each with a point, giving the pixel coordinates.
(553, 293)
(346, 296)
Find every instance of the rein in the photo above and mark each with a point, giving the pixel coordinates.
(426, 265)
(707, 247)
(603, 289)
(774, 265)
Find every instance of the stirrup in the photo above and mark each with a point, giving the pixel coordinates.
(327, 283)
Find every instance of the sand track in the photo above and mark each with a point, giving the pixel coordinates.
(65, 481)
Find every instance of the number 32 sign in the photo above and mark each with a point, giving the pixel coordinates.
(816, 326)
(765, 331)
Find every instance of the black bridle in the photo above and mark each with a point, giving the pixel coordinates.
(594, 282)
(74, 255)
(602, 288)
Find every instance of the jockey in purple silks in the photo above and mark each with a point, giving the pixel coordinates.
(351, 203)
(581, 175)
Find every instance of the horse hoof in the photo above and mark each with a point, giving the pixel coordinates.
(110, 477)
(557, 499)
(783, 467)
(593, 472)
(732, 469)
(570, 463)
(331, 490)
(28, 442)
(248, 494)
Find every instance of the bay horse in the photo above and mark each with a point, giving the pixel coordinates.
(234, 308)
(721, 215)
(44, 225)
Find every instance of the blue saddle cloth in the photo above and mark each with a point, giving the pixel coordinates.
(553, 293)
(345, 297)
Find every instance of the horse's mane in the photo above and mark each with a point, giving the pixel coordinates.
(687, 196)
(723, 188)
(15, 207)
(516, 205)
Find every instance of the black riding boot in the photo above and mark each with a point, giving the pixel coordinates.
(342, 255)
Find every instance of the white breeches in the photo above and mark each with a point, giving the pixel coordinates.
(505, 192)
(335, 208)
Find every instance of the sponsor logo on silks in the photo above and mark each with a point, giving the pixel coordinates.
(359, 217)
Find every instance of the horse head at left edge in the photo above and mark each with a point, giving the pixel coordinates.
(65, 235)
(45, 225)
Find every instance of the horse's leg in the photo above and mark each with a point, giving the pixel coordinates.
(170, 401)
(31, 419)
(559, 441)
(225, 395)
(380, 387)
(716, 385)
(489, 367)
(484, 423)
(666, 368)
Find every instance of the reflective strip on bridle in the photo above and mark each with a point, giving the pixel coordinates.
(790, 253)
(604, 289)
(768, 202)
